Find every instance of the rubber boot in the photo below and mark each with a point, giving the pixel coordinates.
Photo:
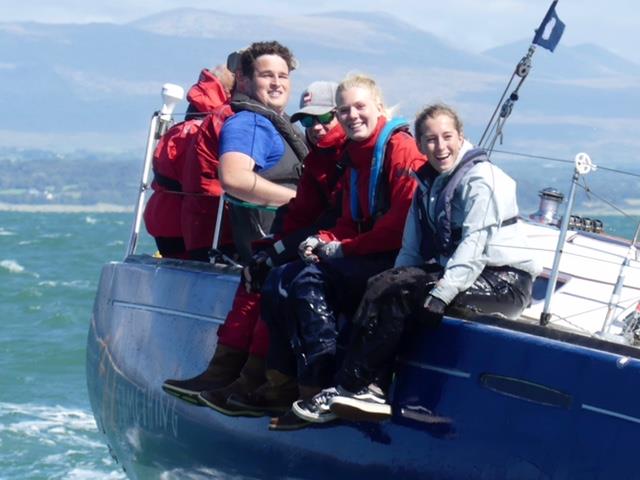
(273, 397)
(251, 377)
(223, 369)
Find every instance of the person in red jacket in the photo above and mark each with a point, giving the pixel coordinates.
(200, 181)
(302, 301)
(163, 211)
(238, 362)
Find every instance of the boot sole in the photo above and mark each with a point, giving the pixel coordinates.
(352, 410)
(186, 395)
(272, 411)
(287, 424)
(230, 412)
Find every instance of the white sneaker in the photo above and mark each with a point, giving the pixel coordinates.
(316, 409)
(367, 405)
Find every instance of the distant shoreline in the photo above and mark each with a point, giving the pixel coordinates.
(56, 208)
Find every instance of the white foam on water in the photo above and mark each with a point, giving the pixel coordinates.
(77, 284)
(90, 220)
(12, 266)
(115, 243)
(201, 473)
(25, 242)
(63, 442)
(89, 474)
(5, 233)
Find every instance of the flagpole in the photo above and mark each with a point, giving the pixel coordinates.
(543, 37)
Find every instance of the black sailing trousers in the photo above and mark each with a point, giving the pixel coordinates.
(392, 307)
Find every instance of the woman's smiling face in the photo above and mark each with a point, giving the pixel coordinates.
(441, 142)
(358, 112)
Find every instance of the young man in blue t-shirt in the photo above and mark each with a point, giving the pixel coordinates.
(250, 144)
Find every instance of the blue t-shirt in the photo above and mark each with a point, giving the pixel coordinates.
(253, 135)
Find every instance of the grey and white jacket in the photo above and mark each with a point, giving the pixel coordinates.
(483, 200)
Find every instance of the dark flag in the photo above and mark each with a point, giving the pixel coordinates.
(550, 30)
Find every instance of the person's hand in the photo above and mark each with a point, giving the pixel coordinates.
(432, 310)
(307, 248)
(256, 272)
(330, 250)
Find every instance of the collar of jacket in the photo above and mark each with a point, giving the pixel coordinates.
(361, 153)
(333, 139)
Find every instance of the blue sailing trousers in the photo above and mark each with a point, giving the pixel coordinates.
(301, 306)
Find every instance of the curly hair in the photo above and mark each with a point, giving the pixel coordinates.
(257, 49)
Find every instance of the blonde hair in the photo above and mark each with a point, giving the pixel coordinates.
(363, 81)
(432, 111)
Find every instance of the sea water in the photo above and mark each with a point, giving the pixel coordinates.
(49, 269)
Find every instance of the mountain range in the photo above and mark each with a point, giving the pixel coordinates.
(93, 87)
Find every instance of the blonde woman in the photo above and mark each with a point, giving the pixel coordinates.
(302, 301)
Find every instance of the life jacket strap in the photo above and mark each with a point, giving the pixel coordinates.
(167, 183)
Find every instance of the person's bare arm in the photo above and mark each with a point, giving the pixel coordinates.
(238, 179)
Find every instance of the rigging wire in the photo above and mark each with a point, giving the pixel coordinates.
(588, 191)
(564, 160)
(493, 116)
(631, 301)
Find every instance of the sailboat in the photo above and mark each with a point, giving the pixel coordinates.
(550, 395)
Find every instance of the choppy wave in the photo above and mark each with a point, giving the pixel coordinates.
(75, 284)
(5, 233)
(11, 266)
(90, 220)
(200, 474)
(63, 442)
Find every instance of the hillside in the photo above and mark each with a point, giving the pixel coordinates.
(86, 91)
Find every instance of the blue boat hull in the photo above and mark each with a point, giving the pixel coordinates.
(482, 399)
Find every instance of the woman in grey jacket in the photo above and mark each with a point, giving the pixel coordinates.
(463, 252)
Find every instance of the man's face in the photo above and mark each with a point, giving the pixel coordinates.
(270, 84)
(319, 130)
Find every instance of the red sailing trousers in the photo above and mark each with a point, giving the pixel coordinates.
(243, 328)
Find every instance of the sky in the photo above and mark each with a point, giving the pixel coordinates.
(473, 25)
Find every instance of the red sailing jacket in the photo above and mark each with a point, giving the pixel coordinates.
(317, 189)
(402, 158)
(201, 184)
(163, 211)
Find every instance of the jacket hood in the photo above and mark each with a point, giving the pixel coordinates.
(208, 93)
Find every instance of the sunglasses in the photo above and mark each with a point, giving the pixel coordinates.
(309, 121)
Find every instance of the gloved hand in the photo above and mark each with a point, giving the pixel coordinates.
(432, 310)
(330, 250)
(308, 248)
(256, 272)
